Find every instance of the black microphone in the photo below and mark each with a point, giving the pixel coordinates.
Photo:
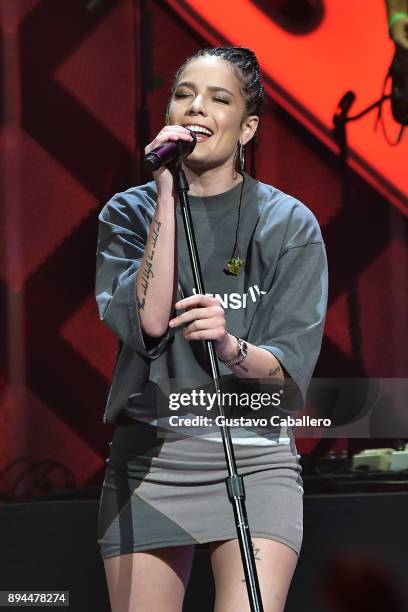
(169, 152)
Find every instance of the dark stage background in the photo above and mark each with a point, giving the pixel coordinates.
(73, 78)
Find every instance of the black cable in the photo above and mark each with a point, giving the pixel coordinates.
(229, 267)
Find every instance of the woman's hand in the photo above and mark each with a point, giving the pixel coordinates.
(204, 319)
(163, 176)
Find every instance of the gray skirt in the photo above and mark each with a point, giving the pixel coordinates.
(171, 492)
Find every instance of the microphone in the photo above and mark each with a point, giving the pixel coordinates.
(169, 152)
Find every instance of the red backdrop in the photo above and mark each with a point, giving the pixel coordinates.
(71, 75)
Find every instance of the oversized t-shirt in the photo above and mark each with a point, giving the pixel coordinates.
(277, 301)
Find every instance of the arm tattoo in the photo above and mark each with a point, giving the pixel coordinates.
(147, 272)
(156, 233)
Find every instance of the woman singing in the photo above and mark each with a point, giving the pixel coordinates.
(264, 268)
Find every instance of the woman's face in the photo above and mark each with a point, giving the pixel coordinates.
(208, 97)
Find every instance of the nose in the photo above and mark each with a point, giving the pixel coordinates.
(197, 107)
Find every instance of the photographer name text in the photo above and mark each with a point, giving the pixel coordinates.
(223, 421)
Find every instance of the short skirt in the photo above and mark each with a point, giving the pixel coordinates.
(160, 492)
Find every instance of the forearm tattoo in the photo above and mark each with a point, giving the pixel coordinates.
(147, 271)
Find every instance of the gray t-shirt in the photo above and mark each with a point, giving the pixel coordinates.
(277, 302)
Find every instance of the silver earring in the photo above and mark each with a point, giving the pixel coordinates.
(241, 156)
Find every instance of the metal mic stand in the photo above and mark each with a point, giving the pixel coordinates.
(340, 119)
(234, 482)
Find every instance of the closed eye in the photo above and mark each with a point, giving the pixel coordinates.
(179, 95)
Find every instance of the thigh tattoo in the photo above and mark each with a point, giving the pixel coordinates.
(257, 555)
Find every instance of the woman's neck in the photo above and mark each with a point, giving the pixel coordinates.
(213, 181)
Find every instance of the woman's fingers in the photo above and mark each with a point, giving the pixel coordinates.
(163, 176)
(205, 322)
(199, 299)
(218, 333)
(169, 133)
(196, 314)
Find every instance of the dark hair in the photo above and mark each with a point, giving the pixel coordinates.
(246, 67)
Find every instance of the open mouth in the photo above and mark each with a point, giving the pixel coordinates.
(202, 133)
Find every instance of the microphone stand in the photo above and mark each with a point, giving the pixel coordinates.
(340, 120)
(234, 482)
(339, 132)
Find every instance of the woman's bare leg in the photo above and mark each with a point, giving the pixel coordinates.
(275, 564)
(149, 580)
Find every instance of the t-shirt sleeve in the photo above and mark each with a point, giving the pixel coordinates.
(291, 316)
(122, 236)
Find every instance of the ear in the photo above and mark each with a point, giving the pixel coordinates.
(248, 128)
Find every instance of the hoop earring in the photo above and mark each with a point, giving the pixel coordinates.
(241, 156)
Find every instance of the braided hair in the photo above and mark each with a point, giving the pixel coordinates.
(246, 68)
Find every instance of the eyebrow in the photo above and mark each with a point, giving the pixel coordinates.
(210, 87)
